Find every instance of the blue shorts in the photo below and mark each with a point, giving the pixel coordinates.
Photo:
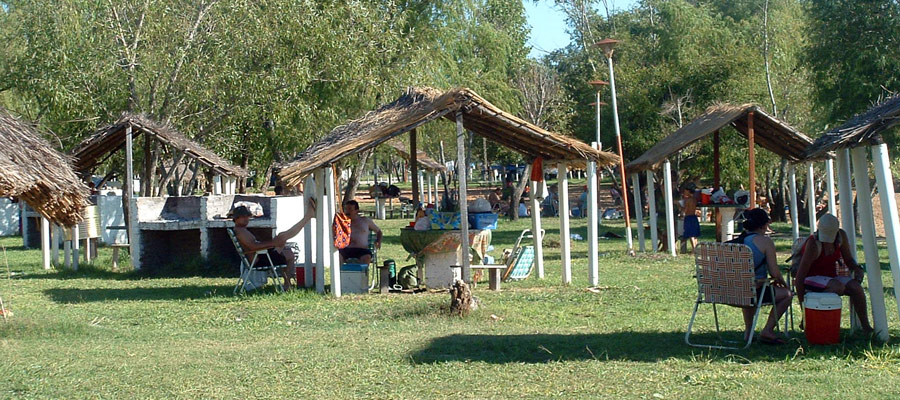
(691, 226)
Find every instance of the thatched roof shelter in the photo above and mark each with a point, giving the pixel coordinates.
(93, 150)
(769, 132)
(863, 129)
(419, 106)
(421, 157)
(36, 173)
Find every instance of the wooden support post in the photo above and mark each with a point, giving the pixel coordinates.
(717, 181)
(651, 202)
(638, 210)
(536, 230)
(829, 168)
(593, 235)
(414, 168)
(309, 234)
(461, 167)
(752, 150)
(795, 211)
(76, 253)
(670, 207)
(811, 196)
(45, 242)
(322, 227)
(332, 253)
(565, 241)
(845, 186)
(870, 246)
(885, 181)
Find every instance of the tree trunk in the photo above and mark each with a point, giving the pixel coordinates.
(777, 195)
(517, 194)
(353, 182)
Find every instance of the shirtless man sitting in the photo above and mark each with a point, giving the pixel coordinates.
(359, 235)
(280, 255)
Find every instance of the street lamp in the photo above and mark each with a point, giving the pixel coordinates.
(607, 46)
(598, 85)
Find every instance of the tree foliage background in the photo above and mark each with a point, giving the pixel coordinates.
(257, 81)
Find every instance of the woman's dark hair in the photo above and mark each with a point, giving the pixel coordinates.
(755, 219)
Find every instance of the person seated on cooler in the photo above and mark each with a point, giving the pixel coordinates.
(756, 223)
(279, 254)
(817, 272)
(360, 226)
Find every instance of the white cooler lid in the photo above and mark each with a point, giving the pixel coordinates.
(822, 301)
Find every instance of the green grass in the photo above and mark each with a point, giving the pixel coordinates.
(100, 334)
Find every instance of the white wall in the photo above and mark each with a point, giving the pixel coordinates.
(111, 215)
(9, 217)
(290, 210)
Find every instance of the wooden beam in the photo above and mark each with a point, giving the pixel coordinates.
(414, 167)
(750, 137)
(461, 166)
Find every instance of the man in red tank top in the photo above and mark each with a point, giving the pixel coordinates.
(822, 254)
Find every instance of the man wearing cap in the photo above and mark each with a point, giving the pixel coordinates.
(279, 254)
(817, 272)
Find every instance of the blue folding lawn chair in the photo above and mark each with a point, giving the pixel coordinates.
(520, 261)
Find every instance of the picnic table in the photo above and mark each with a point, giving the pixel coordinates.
(436, 250)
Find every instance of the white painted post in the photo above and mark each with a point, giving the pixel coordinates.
(309, 233)
(45, 242)
(829, 168)
(67, 254)
(76, 253)
(565, 244)
(54, 243)
(536, 230)
(870, 247)
(217, 184)
(322, 248)
(421, 188)
(670, 208)
(23, 217)
(795, 214)
(885, 181)
(845, 187)
(638, 210)
(593, 235)
(651, 201)
(811, 196)
(461, 167)
(330, 194)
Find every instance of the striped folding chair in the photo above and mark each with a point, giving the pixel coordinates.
(248, 267)
(520, 261)
(725, 276)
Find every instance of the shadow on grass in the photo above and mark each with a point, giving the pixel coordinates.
(189, 292)
(619, 346)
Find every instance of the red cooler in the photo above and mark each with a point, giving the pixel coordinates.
(823, 317)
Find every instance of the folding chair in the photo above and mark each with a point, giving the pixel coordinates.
(520, 261)
(725, 275)
(249, 267)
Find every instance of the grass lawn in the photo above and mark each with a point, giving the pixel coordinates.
(100, 334)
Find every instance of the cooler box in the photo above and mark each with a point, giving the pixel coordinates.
(486, 220)
(301, 276)
(354, 278)
(823, 317)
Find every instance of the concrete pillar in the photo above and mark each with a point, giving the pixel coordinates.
(461, 171)
(811, 196)
(76, 253)
(536, 229)
(670, 208)
(564, 238)
(331, 198)
(885, 181)
(45, 242)
(322, 226)
(593, 235)
(54, 242)
(309, 233)
(651, 202)
(638, 210)
(870, 247)
(845, 186)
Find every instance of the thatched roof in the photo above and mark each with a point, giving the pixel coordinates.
(111, 138)
(768, 132)
(421, 157)
(422, 105)
(865, 128)
(36, 173)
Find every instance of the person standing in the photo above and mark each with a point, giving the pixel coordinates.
(691, 222)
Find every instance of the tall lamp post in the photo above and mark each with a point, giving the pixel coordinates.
(607, 46)
(598, 86)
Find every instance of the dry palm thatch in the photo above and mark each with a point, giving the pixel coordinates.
(36, 173)
(419, 106)
(421, 157)
(93, 150)
(865, 128)
(770, 133)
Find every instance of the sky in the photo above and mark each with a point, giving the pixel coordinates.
(548, 25)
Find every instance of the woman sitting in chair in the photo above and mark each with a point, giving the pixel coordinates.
(756, 223)
(817, 271)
